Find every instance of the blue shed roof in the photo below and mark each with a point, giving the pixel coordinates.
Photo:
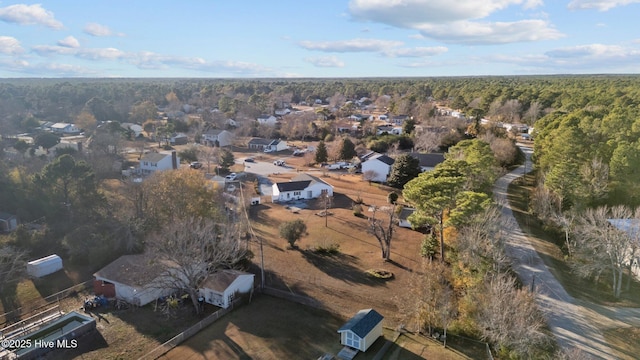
(362, 323)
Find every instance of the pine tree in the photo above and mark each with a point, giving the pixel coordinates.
(321, 153)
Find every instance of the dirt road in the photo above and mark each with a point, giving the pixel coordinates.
(571, 323)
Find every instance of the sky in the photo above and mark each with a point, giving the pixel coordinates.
(331, 38)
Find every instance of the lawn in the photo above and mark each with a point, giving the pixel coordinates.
(271, 328)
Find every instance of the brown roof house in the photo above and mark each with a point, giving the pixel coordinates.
(136, 279)
(222, 287)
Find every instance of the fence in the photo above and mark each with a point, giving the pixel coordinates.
(14, 315)
(31, 323)
(178, 339)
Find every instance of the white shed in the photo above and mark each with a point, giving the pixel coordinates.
(221, 288)
(362, 330)
(45, 266)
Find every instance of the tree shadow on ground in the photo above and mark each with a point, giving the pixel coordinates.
(10, 302)
(340, 266)
(87, 343)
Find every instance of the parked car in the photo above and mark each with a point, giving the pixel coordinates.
(298, 152)
(268, 150)
(334, 167)
(279, 163)
(249, 160)
(231, 177)
(195, 165)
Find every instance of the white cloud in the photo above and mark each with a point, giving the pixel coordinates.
(594, 51)
(411, 13)
(601, 5)
(95, 29)
(416, 52)
(354, 45)
(479, 33)
(29, 15)
(84, 53)
(325, 61)
(10, 45)
(69, 41)
(456, 21)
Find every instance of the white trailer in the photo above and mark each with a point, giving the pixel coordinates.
(45, 266)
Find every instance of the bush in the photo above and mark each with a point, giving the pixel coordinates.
(330, 249)
(429, 246)
(328, 138)
(357, 209)
(392, 198)
(292, 231)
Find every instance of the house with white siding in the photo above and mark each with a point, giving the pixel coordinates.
(267, 120)
(152, 162)
(217, 137)
(303, 186)
(376, 167)
(64, 129)
(362, 330)
(222, 287)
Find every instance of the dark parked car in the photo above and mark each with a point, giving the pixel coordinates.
(249, 160)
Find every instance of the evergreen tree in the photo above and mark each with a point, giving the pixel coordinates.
(405, 168)
(226, 160)
(321, 153)
(347, 150)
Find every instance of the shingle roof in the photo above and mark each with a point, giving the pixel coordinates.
(260, 141)
(313, 179)
(154, 157)
(293, 185)
(385, 159)
(214, 131)
(362, 323)
(132, 270)
(5, 216)
(428, 160)
(221, 280)
(405, 213)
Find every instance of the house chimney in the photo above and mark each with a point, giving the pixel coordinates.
(174, 160)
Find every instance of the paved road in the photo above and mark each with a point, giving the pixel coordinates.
(570, 322)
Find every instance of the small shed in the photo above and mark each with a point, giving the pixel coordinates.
(362, 330)
(8, 222)
(221, 288)
(45, 266)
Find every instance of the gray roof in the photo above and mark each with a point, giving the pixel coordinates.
(5, 216)
(428, 160)
(132, 270)
(214, 131)
(221, 280)
(385, 159)
(405, 213)
(305, 177)
(154, 157)
(293, 185)
(362, 323)
(260, 141)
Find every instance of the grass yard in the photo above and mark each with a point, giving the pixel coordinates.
(271, 328)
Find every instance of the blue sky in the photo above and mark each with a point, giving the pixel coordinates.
(332, 38)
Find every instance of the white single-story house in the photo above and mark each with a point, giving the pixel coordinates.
(377, 167)
(74, 145)
(64, 129)
(217, 137)
(403, 217)
(267, 120)
(362, 330)
(152, 162)
(428, 161)
(264, 144)
(136, 279)
(283, 112)
(137, 129)
(222, 287)
(384, 129)
(8, 222)
(303, 186)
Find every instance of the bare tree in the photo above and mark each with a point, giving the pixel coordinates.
(383, 229)
(481, 241)
(600, 247)
(533, 113)
(369, 176)
(12, 264)
(595, 175)
(428, 141)
(509, 317)
(193, 249)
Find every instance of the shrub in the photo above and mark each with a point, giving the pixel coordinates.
(327, 249)
(292, 231)
(392, 198)
(380, 274)
(357, 209)
(328, 138)
(429, 246)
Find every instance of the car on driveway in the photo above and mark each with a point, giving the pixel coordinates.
(230, 177)
(249, 160)
(279, 163)
(195, 165)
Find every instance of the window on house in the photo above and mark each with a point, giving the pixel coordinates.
(324, 191)
(352, 340)
(146, 163)
(296, 193)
